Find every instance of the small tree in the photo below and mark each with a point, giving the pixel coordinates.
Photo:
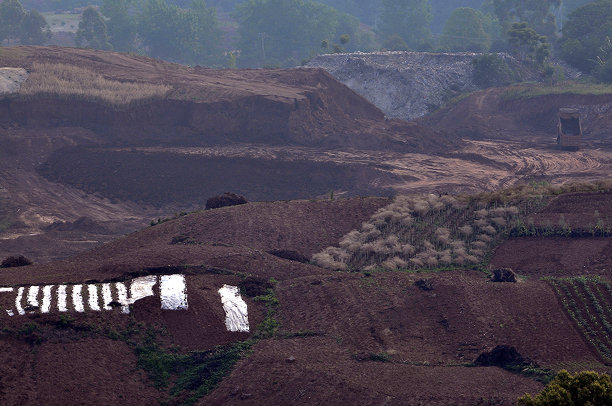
(527, 44)
(34, 29)
(492, 70)
(11, 15)
(584, 388)
(92, 30)
(464, 31)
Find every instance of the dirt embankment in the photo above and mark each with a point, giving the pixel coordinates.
(502, 113)
(204, 106)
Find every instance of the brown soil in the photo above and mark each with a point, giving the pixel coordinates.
(563, 256)
(288, 133)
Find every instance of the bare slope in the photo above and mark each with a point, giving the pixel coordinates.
(350, 336)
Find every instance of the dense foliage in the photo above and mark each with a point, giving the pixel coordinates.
(584, 388)
(29, 28)
(285, 32)
(585, 33)
(409, 19)
(464, 31)
(259, 33)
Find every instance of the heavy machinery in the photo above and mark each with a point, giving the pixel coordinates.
(569, 130)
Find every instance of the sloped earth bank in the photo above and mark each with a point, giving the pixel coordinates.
(76, 173)
(359, 338)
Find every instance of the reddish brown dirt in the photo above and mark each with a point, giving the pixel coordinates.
(429, 336)
(325, 373)
(563, 256)
(580, 211)
(558, 256)
(491, 114)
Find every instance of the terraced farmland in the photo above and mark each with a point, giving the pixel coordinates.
(588, 301)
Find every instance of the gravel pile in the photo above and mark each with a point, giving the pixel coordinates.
(408, 85)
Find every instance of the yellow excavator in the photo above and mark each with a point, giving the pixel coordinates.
(569, 130)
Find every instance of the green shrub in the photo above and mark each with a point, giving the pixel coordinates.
(584, 388)
(492, 70)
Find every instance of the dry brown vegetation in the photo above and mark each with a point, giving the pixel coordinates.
(70, 81)
(433, 231)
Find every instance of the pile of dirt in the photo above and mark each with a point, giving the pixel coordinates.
(225, 200)
(501, 356)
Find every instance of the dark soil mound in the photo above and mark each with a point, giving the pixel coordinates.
(224, 200)
(424, 284)
(291, 255)
(501, 356)
(14, 261)
(503, 275)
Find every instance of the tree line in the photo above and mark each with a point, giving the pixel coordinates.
(289, 32)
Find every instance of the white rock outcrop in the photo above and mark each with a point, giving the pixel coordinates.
(11, 79)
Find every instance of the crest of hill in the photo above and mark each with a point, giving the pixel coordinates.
(174, 104)
(236, 237)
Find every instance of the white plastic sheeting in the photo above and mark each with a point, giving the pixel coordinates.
(92, 299)
(46, 300)
(65, 298)
(236, 311)
(77, 298)
(173, 292)
(142, 287)
(62, 298)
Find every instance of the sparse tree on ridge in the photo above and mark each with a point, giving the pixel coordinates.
(464, 31)
(11, 15)
(120, 26)
(34, 29)
(92, 31)
(527, 44)
(409, 19)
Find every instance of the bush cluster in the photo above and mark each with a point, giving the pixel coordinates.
(14, 261)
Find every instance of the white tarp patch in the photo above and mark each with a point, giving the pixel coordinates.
(173, 292)
(105, 296)
(236, 312)
(86, 297)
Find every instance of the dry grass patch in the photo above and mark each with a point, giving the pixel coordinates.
(72, 82)
(441, 231)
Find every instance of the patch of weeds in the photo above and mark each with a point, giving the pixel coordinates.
(31, 333)
(543, 375)
(378, 357)
(183, 240)
(204, 370)
(297, 334)
(64, 322)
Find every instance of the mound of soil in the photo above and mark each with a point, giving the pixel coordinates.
(501, 356)
(225, 200)
(503, 275)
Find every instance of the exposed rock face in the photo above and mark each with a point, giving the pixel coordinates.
(11, 79)
(408, 85)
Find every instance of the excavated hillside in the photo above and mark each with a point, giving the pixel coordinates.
(409, 85)
(183, 105)
(94, 144)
